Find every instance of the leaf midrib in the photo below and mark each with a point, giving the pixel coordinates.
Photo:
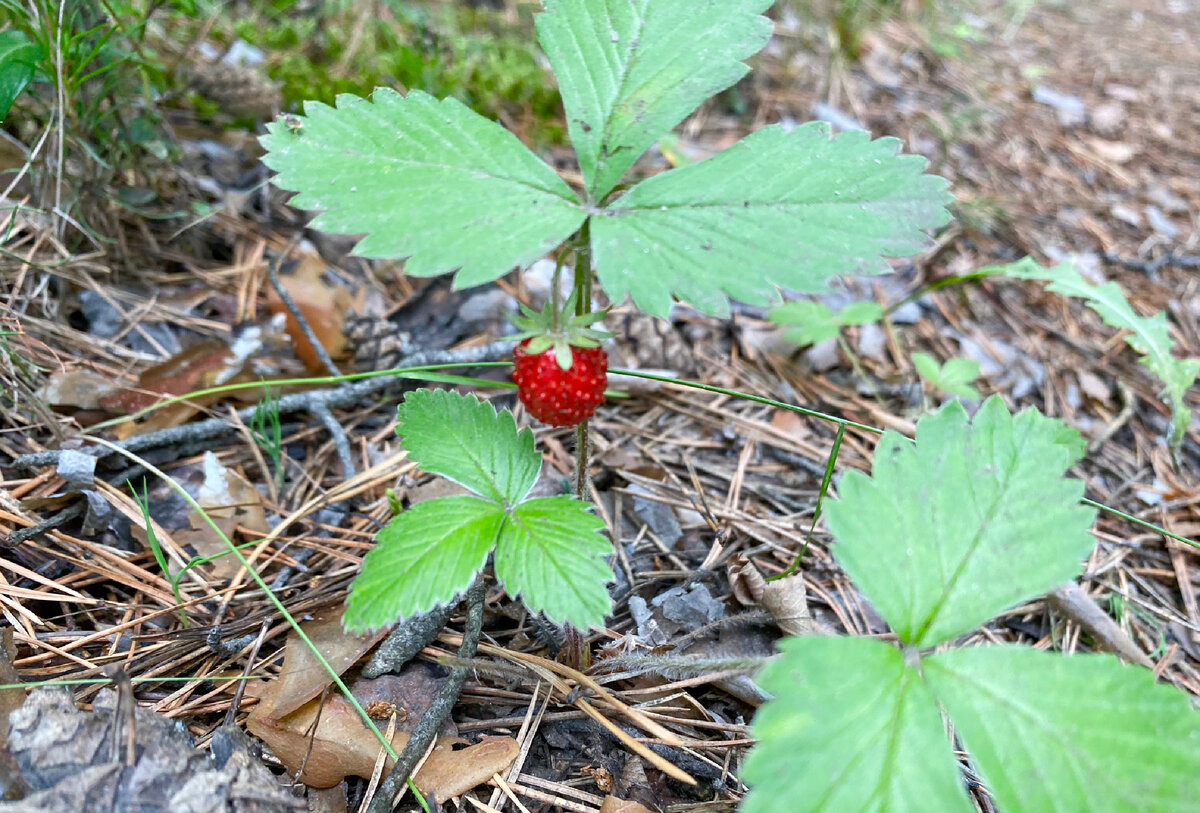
(973, 547)
(601, 154)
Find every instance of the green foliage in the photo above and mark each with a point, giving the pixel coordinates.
(470, 444)
(552, 558)
(267, 431)
(548, 549)
(440, 185)
(81, 70)
(972, 518)
(1085, 732)
(1149, 336)
(953, 377)
(937, 535)
(477, 55)
(424, 557)
(853, 727)
(18, 59)
(811, 322)
(629, 72)
(427, 179)
(778, 208)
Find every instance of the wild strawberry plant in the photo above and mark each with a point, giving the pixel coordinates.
(548, 550)
(435, 183)
(808, 322)
(972, 519)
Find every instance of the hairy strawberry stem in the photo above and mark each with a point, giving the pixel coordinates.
(583, 305)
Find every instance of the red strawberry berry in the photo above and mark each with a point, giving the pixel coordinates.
(556, 396)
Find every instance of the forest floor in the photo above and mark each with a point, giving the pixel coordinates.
(1073, 130)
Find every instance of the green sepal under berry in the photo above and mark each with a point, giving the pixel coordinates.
(559, 330)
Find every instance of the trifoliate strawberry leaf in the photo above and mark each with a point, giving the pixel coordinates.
(971, 519)
(811, 322)
(1085, 732)
(953, 377)
(777, 209)
(630, 70)
(551, 554)
(424, 557)
(429, 180)
(1150, 336)
(851, 727)
(467, 441)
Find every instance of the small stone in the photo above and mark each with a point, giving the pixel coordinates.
(1070, 110)
(1109, 118)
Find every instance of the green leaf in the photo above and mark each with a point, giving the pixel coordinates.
(1085, 732)
(777, 209)
(927, 367)
(431, 181)
(424, 557)
(953, 377)
(956, 376)
(812, 321)
(1150, 336)
(551, 554)
(860, 313)
(630, 70)
(18, 56)
(968, 521)
(815, 322)
(467, 441)
(850, 728)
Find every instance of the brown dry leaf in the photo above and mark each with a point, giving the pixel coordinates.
(451, 773)
(10, 699)
(338, 745)
(785, 599)
(209, 363)
(204, 364)
(323, 306)
(329, 749)
(790, 424)
(230, 500)
(303, 677)
(82, 389)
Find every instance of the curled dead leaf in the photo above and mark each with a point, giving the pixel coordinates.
(785, 599)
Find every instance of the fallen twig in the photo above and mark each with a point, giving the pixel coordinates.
(429, 725)
(1073, 602)
(333, 398)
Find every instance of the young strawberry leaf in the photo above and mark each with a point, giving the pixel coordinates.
(629, 71)
(852, 727)
(1150, 336)
(551, 554)
(1085, 732)
(777, 209)
(953, 377)
(811, 322)
(425, 556)
(467, 441)
(429, 180)
(972, 519)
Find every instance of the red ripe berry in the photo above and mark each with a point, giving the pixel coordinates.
(556, 396)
